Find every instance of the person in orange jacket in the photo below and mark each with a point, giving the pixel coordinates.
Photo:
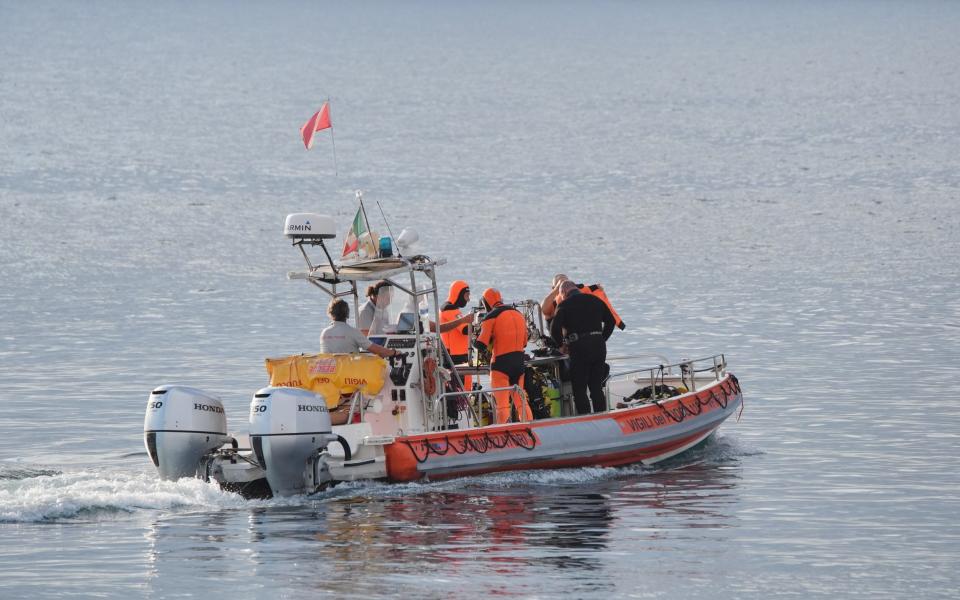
(457, 339)
(504, 331)
(550, 301)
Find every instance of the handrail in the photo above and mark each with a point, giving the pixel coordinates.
(492, 399)
(663, 359)
(718, 365)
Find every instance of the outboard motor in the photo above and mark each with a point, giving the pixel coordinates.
(182, 425)
(289, 427)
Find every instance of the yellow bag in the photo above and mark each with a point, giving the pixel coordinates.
(330, 375)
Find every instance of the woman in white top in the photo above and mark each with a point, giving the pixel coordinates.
(341, 338)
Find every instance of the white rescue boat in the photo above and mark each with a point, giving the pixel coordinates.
(410, 418)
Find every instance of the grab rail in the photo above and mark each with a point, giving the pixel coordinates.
(688, 372)
(720, 364)
(492, 399)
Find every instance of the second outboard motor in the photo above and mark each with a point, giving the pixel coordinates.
(288, 429)
(182, 425)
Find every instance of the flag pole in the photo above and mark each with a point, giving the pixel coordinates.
(336, 171)
(367, 221)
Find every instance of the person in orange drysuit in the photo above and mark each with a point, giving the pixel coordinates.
(550, 301)
(457, 339)
(504, 331)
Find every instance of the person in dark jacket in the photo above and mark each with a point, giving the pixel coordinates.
(582, 324)
(549, 303)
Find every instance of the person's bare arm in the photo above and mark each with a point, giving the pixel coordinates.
(549, 304)
(445, 327)
(382, 352)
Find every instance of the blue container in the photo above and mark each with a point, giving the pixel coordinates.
(386, 248)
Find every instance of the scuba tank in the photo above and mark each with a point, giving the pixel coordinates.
(481, 405)
(486, 412)
(551, 397)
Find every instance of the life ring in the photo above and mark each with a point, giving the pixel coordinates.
(429, 376)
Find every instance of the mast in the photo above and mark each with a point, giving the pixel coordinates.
(336, 171)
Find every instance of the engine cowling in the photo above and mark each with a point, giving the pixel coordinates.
(182, 425)
(288, 429)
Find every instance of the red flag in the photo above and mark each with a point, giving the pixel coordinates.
(319, 121)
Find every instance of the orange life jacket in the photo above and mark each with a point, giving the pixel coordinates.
(596, 290)
(505, 329)
(456, 340)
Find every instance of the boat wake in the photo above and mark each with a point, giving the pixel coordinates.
(92, 495)
(716, 450)
(35, 495)
(7, 472)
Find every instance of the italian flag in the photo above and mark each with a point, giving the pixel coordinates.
(352, 241)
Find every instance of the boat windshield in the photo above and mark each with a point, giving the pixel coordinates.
(393, 311)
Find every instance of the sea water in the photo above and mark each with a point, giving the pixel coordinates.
(775, 181)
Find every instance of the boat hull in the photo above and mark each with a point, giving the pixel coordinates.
(647, 433)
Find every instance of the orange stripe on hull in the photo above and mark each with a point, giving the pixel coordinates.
(614, 459)
(406, 455)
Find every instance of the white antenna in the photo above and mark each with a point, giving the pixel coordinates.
(390, 231)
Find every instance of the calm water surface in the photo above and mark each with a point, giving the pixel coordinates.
(776, 181)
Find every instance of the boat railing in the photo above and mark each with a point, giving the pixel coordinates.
(688, 368)
(663, 359)
(439, 408)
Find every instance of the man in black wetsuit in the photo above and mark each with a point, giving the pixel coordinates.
(583, 323)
